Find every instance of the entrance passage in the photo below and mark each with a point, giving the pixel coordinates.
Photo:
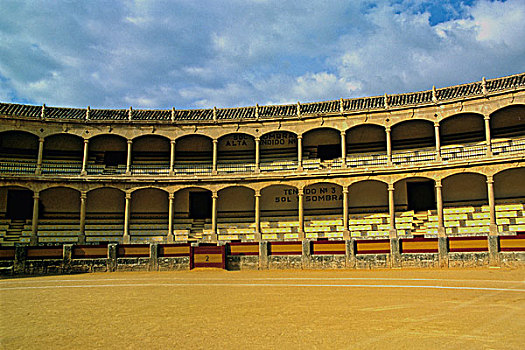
(200, 205)
(420, 196)
(327, 152)
(19, 204)
(113, 158)
(208, 256)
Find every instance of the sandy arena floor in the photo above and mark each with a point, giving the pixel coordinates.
(451, 309)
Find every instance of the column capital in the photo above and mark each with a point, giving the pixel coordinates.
(130, 141)
(173, 142)
(486, 117)
(490, 179)
(83, 194)
(171, 196)
(215, 141)
(214, 195)
(36, 195)
(343, 132)
(86, 141)
(436, 124)
(388, 128)
(391, 187)
(257, 139)
(257, 193)
(345, 190)
(300, 136)
(438, 184)
(128, 195)
(300, 191)
(41, 139)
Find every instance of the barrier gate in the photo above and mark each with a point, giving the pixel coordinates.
(208, 256)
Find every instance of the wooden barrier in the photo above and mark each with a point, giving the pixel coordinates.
(174, 250)
(373, 246)
(328, 247)
(99, 251)
(208, 256)
(52, 252)
(133, 251)
(419, 245)
(7, 253)
(243, 248)
(512, 243)
(468, 244)
(285, 248)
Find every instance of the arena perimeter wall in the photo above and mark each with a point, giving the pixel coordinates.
(308, 254)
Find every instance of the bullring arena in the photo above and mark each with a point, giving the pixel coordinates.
(393, 183)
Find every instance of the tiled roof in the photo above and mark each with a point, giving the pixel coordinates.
(270, 112)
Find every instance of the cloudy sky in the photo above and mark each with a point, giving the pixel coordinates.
(193, 54)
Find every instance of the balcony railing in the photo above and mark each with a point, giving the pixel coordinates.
(500, 147)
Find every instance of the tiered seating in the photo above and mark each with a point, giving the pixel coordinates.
(279, 165)
(279, 228)
(58, 230)
(415, 156)
(411, 223)
(57, 167)
(17, 166)
(105, 227)
(368, 225)
(502, 146)
(148, 227)
(357, 160)
(509, 217)
(468, 220)
(453, 152)
(4, 227)
(311, 163)
(236, 230)
(327, 226)
(155, 163)
(240, 167)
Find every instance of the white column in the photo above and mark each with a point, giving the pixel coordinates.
(492, 205)
(346, 232)
(299, 152)
(392, 211)
(438, 142)
(214, 197)
(258, 235)
(257, 154)
(214, 168)
(38, 169)
(126, 238)
(82, 228)
(85, 158)
(488, 138)
(343, 148)
(388, 146)
(34, 221)
(128, 159)
(439, 207)
(301, 212)
(170, 237)
(172, 156)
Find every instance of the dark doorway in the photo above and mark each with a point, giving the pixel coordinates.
(200, 205)
(114, 157)
(19, 204)
(327, 152)
(420, 195)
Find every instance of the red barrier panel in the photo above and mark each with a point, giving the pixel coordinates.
(512, 243)
(286, 248)
(419, 245)
(7, 253)
(208, 256)
(468, 244)
(174, 250)
(133, 251)
(243, 248)
(99, 251)
(373, 246)
(53, 252)
(329, 247)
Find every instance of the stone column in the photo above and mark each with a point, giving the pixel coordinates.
(258, 235)
(346, 232)
(170, 237)
(388, 146)
(85, 158)
(439, 205)
(392, 211)
(350, 253)
(214, 197)
(82, 229)
(301, 213)
(172, 157)
(493, 230)
(438, 142)
(128, 159)
(126, 238)
(306, 255)
(263, 255)
(257, 154)
(38, 169)
(299, 152)
(488, 138)
(343, 148)
(214, 168)
(34, 222)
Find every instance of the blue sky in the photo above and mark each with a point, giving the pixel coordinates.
(200, 54)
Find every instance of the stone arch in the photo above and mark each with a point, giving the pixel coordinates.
(60, 202)
(462, 128)
(105, 205)
(415, 193)
(16, 202)
(464, 189)
(366, 138)
(323, 143)
(20, 145)
(412, 134)
(279, 200)
(236, 203)
(278, 145)
(151, 151)
(509, 186)
(193, 150)
(107, 149)
(149, 205)
(368, 196)
(236, 148)
(508, 121)
(192, 202)
(62, 153)
(323, 198)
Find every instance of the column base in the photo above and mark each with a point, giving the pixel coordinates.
(38, 171)
(126, 239)
(33, 240)
(392, 234)
(170, 238)
(81, 239)
(443, 251)
(493, 230)
(346, 235)
(83, 173)
(441, 232)
(128, 173)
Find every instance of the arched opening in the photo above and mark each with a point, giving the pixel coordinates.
(62, 154)
(462, 129)
(193, 154)
(150, 154)
(366, 138)
(279, 212)
(236, 153)
(368, 209)
(508, 122)
(59, 215)
(16, 212)
(415, 194)
(323, 210)
(107, 154)
(322, 143)
(413, 134)
(236, 213)
(18, 152)
(509, 186)
(193, 211)
(105, 209)
(149, 215)
(278, 151)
